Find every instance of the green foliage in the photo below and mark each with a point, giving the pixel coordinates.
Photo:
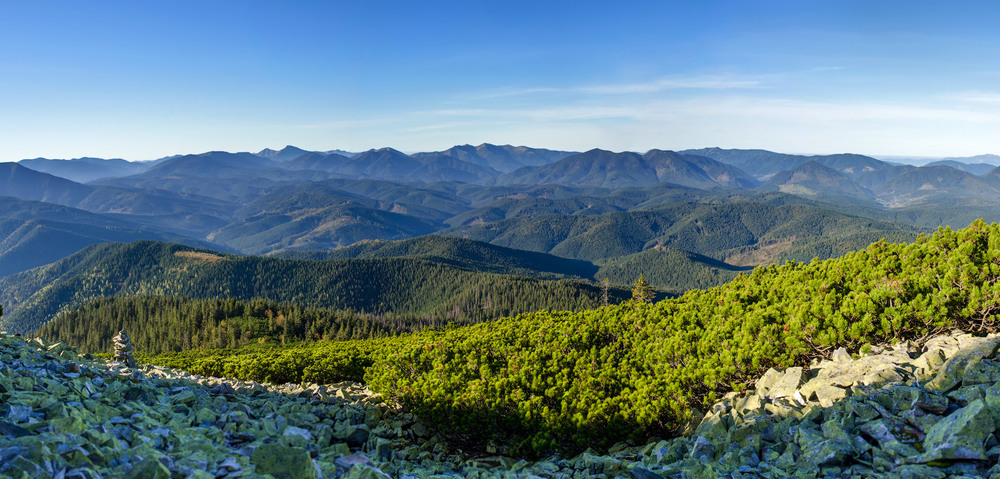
(564, 381)
(318, 228)
(322, 362)
(572, 380)
(641, 291)
(159, 324)
(669, 269)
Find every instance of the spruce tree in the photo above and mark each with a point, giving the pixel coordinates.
(641, 291)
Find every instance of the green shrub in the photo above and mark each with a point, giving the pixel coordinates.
(565, 381)
(573, 380)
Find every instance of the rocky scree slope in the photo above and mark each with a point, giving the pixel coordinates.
(928, 412)
(896, 412)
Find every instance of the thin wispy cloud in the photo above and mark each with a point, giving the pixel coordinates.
(326, 125)
(513, 92)
(827, 69)
(733, 106)
(567, 113)
(628, 88)
(839, 111)
(750, 122)
(670, 84)
(433, 127)
(978, 97)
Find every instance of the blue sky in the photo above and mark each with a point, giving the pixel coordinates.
(141, 80)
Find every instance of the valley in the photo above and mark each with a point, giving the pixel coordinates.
(381, 220)
(695, 213)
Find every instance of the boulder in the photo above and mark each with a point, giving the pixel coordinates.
(787, 384)
(703, 450)
(960, 435)
(964, 359)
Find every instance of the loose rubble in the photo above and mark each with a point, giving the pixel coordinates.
(903, 412)
(898, 412)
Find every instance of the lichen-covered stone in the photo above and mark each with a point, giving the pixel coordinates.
(714, 426)
(703, 449)
(786, 384)
(961, 435)
(952, 372)
(869, 416)
(764, 384)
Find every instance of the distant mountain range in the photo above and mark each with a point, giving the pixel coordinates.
(745, 233)
(34, 233)
(297, 200)
(977, 169)
(682, 219)
(986, 159)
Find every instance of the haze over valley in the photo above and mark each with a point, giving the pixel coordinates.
(681, 219)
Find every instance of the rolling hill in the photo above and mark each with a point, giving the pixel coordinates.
(181, 214)
(318, 228)
(762, 164)
(977, 169)
(331, 163)
(717, 231)
(503, 158)
(627, 169)
(283, 155)
(693, 170)
(24, 183)
(464, 253)
(390, 164)
(934, 183)
(507, 208)
(813, 180)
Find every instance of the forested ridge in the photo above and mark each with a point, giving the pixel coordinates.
(403, 286)
(720, 231)
(669, 269)
(565, 381)
(460, 252)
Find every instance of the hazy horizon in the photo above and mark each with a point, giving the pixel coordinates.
(913, 160)
(145, 80)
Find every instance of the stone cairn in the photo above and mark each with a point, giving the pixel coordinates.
(123, 349)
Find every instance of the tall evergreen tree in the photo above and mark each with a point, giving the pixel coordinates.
(641, 291)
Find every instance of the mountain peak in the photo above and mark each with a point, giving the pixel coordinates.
(287, 153)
